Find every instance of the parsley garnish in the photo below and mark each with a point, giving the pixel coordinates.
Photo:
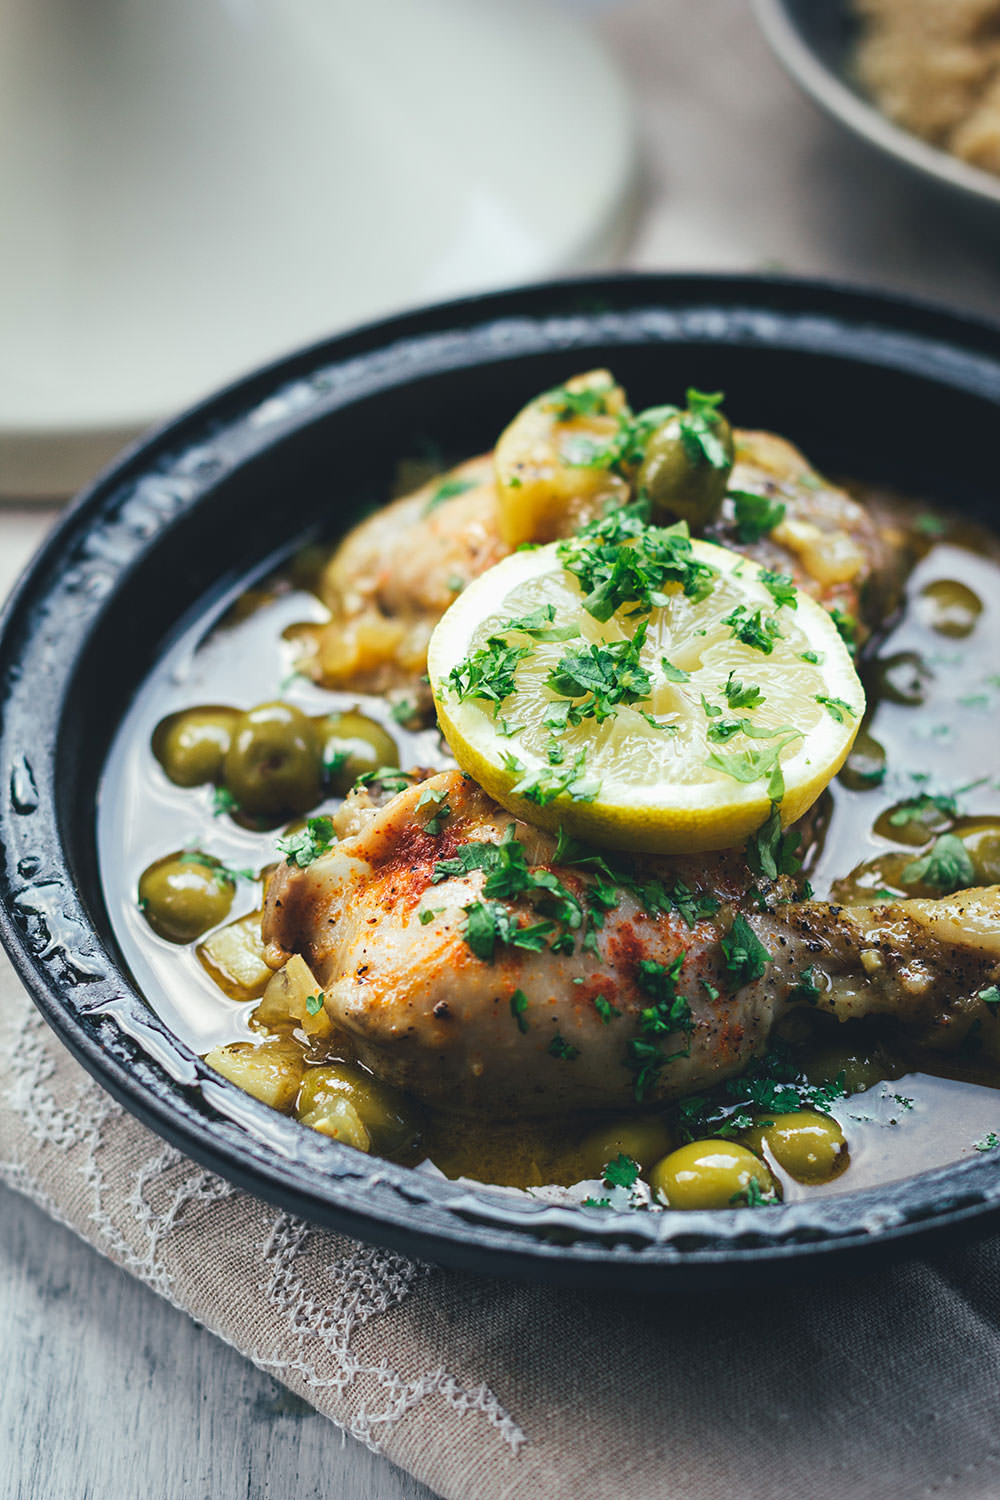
(622, 1172)
(543, 786)
(847, 627)
(427, 915)
(772, 853)
(752, 629)
(605, 1009)
(805, 987)
(540, 625)
(565, 1051)
(387, 778)
(781, 587)
(697, 429)
(740, 694)
(314, 1003)
(309, 843)
(946, 866)
(589, 401)
(518, 1006)
(836, 707)
(488, 672)
(753, 1195)
(223, 801)
(990, 997)
(438, 796)
(815, 657)
(620, 560)
(745, 956)
(988, 1143)
(603, 677)
(756, 515)
(754, 765)
(672, 673)
(225, 874)
(447, 490)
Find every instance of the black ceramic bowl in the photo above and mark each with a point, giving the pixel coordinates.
(880, 388)
(815, 40)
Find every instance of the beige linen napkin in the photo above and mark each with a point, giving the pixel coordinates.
(885, 1385)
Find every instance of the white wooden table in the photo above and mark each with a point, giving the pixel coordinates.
(106, 1391)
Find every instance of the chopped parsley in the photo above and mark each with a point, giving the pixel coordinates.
(847, 627)
(989, 1142)
(740, 694)
(753, 1195)
(805, 988)
(540, 624)
(309, 843)
(770, 852)
(402, 712)
(314, 1003)
(754, 765)
(386, 779)
(488, 672)
(772, 1083)
(781, 587)
(603, 677)
(563, 1050)
(620, 560)
(438, 796)
(753, 629)
(518, 1006)
(543, 786)
(946, 866)
(589, 401)
(744, 955)
(427, 915)
(756, 515)
(815, 657)
(605, 1009)
(836, 708)
(223, 801)
(697, 428)
(224, 874)
(990, 997)
(672, 673)
(622, 1172)
(447, 490)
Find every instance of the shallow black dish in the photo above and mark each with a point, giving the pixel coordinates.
(815, 40)
(881, 388)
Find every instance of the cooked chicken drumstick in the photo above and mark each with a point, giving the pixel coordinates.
(486, 969)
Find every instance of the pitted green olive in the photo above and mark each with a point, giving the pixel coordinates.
(809, 1146)
(865, 764)
(982, 844)
(712, 1174)
(185, 894)
(356, 1105)
(352, 746)
(678, 475)
(645, 1139)
(191, 745)
(902, 678)
(949, 607)
(272, 766)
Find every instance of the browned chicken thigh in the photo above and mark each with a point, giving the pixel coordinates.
(477, 963)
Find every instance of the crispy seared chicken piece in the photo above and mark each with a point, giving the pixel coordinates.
(474, 963)
(395, 574)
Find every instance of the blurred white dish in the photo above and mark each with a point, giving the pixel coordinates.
(193, 188)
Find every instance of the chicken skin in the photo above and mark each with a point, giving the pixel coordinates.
(395, 574)
(478, 963)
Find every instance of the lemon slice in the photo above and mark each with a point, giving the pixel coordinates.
(672, 720)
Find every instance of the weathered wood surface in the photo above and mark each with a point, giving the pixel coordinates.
(108, 1393)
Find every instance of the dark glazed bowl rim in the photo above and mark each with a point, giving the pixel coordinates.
(79, 982)
(834, 95)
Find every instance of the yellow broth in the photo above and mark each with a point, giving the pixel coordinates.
(933, 685)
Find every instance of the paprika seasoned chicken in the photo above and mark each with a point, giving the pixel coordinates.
(484, 967)
(392, 578)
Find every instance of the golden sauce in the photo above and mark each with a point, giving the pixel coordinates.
(933, 688)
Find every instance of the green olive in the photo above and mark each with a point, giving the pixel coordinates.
(711, 1174)
(856, 1070)
(272, 766)
(914, 821)
(982, 842)
(184, 894)
(902, 678)
(342, 1093)
(645, 1138)
(810, 1147)
(949, 607)
(682, 482)
(191, 745)
(352, 746)
(865, 764)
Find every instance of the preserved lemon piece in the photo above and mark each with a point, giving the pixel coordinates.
(270, 1070)
(234, 958)
(294, 994)
(550, 480)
